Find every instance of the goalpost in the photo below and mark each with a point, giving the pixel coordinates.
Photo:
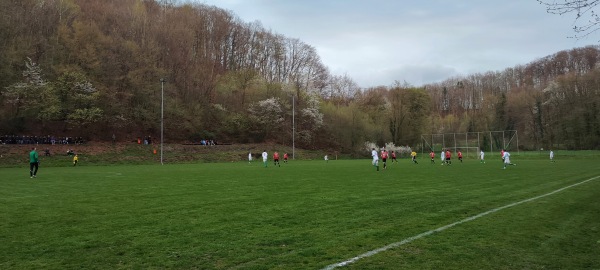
(471, 142)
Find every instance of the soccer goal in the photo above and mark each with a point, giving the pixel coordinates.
(470, 143)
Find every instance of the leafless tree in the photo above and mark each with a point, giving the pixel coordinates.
(587, 20)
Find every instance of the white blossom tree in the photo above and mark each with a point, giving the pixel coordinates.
(311, 118)
(267, 114)
(78, 98)
(33, 97)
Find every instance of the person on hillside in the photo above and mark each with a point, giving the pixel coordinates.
(375, 156)
(432, 156)
(443, 156)
(413, 154)
(276, 159)
(459, 155)
(34, 163)
(249, 157)
(394, 157)
(384, 157)
(506, 158)
(448, 157)
(265, 157)
(551, 156)
(481, 156)
(75, 160)
(285, 157)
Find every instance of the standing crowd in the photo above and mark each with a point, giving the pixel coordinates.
(22, 139)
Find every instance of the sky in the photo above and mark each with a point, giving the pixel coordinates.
(380, 42)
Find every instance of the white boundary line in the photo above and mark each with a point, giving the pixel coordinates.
(413, 238)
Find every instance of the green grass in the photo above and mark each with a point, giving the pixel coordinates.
(302, 215)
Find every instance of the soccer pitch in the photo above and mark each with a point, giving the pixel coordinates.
(304, 215)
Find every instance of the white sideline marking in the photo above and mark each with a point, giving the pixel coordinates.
(412, 238)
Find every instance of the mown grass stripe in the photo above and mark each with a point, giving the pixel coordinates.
(440, 229)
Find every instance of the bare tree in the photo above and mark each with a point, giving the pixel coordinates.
(341, 89)
(588, 20)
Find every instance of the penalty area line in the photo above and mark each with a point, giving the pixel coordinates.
(443, 228)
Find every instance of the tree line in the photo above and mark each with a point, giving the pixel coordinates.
(93, 68)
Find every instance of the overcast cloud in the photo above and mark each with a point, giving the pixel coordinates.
(378, 42)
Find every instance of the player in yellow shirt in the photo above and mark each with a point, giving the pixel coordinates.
(413, 154)
(75, 160)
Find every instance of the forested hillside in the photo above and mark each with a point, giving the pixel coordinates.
(93, 68)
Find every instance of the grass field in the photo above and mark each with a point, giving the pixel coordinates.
(302, 215)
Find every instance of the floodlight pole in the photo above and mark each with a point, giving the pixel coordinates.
(293, 128)
(162, 114)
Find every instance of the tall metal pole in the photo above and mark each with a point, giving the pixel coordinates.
(162, 114)
(293, 128)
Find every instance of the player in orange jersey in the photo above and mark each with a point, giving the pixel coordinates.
(276, 159)
(384, 156)
(432, 156)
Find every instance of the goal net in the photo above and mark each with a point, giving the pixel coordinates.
(470, 143)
